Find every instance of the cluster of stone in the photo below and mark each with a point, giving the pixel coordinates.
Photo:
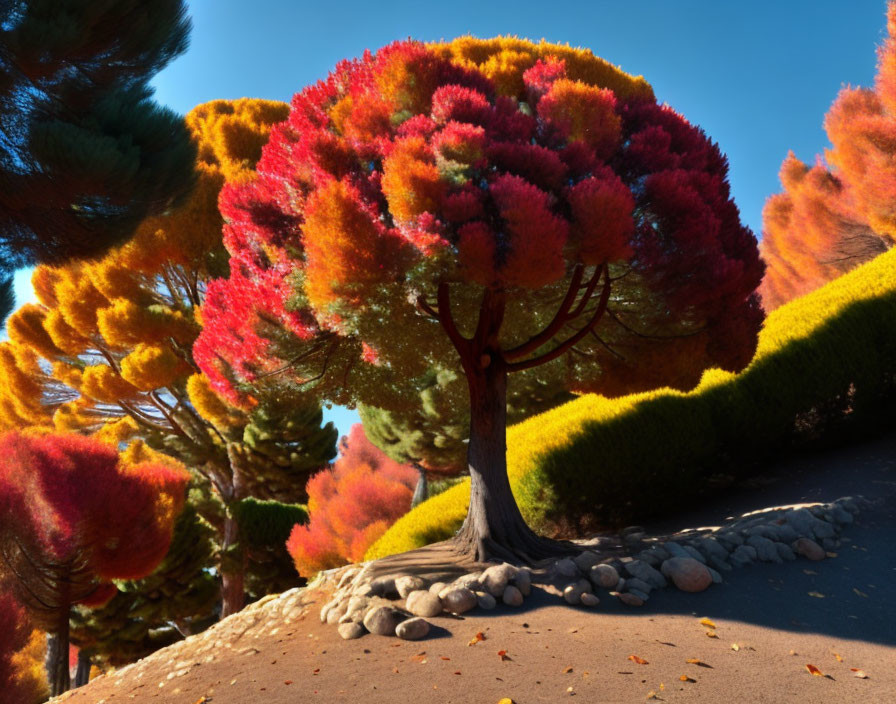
(361, 605)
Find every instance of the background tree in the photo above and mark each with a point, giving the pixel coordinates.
(85, 153)
(117, 334)
(839, 213)
(350, 505)
(73, 517)
(489, 205)
(21, 681)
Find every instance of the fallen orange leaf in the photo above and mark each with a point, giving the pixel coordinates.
(814, 670)
(475, 639)
(636, 659)
(503, 655)
(685, 678)
(859, 673)
(652, 695)
(839, 658)
(711, 634)
(698, 663)
(567, 670)
(444, 657)
(506, 700)
(706, 622)
(735, 647)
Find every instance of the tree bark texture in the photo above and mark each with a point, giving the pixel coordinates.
(58, 674)
(82, 674)
(421, 492)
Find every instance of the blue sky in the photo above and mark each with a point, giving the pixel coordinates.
(757, 76)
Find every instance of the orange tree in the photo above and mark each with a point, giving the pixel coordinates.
(841, 212)
(73, 517)
(493, 205)
(107, 350)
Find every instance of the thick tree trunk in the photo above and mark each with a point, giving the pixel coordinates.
(57, 658)
(494, 527)
(421, 492)
(82, 674)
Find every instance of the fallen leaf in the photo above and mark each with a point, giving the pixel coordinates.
(735, 647)
(475, 639)
(814, 670)
(506, 700)
(698, 663)
(444, 657)
(810, 572)
(706, 622)
(570, 690)
(503, 655)
(201, 700)
(316, 670)
(419, 657)
(652, 695)
(712, 634)
(817, 595)
(860, 593)
(831, 554)
(838, 656)
(792, 652)
(858, 673)
(662, 687)
(457, 672)
(685, 678)
(624, 672)
(567, 670)
(636, 659)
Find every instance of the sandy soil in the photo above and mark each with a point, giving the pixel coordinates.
(771, 621)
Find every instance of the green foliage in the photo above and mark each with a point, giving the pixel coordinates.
(146, 613)
(268, 523)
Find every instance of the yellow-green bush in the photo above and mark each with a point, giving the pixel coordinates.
(615, 459)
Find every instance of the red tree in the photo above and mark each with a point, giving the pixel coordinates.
(72, 518)
(350, 505)
(15, 629)
(495, 206)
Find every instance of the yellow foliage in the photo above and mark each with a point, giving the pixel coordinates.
(77, 416)
(79, 300)
(104, 384)
(538, 436)
(151, 367)
(43, 281)
(28, 664)
(118, 431)
(211, 406)
(63, 335)
(126, 323)
(20, 388)
(26, 328)
(503, 59)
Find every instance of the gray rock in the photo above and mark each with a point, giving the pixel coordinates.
(412, 629)
(729, 539)
(687, 574)
(808, 525)
(712, 548)
(786, 533)
(784, 551)
(720, 564)
(437, 587)
(486, 600)
(629, 599)
(765, 548)
(471, 581)
(522, 580)
(384, 586)
(424, 603)
(695, 553)
(572, 593)
(512, 596)
(716, 577)
(645, 572)
(382, 620)
(848, 503)
(743, 555)
(586, 560)
(589, 599)
(841, 515)
(566, 567)
(351, 630)
(459, 600)
(496, 578)
(675, 550)
(650, 558)
(604, 576)
(659, 551)
(639, 584)
(407, 584)
(639, 594)
(809, 549)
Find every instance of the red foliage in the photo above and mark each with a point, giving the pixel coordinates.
(15, 631)
(350, 505)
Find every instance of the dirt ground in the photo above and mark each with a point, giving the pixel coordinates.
(771, 621)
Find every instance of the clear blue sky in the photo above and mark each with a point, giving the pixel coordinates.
(757, 76)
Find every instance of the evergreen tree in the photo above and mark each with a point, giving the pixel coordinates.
(85, 153)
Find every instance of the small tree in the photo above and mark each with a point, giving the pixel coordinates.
(491, 205)
(73, 517)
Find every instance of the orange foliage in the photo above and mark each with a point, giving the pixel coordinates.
(350, 505)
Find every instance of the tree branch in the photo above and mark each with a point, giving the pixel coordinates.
(461, 343)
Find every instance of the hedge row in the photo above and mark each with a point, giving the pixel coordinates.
(611, 460)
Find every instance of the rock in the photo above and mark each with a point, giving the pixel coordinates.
(566, 567)
(784, 551)
(384, 586)
(716, 577)
(628, 598)
(363, 589)
(841, 515)
(712, 548)
(348, 576)
(336, 613)
(720, 564)
(808, 548)
(325, 609)
(631, 530)
(786, 533)
(643, 596)
(512, 596)
(472, 581)
(729, 539)
(458, 600)
(807, 525)
(695, 553)
(412, 629)
(486, 600)
(351, 630)
(424, 603)
(496, 578)
(407, 584)
(572, 593)
(604, 576)
(650, 558)
(765, 548)
(382, 620)
(639, 584)
(437, 587)
(586, 560)
(741, 556)
(589, 599)
(646, 573)
(687, 574)
(659, 551)
(522, 580)
(848, 503)
(675, 550)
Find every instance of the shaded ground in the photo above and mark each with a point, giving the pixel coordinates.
(283, 654)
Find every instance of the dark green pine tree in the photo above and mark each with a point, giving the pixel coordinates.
(432, 435)
(178, 599)
(85, 153)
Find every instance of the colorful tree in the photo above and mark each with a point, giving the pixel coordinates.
(118, 332)
(350, 505)
(21, 678)
(85, 153)
(74, 516)
(492, 206)
(839, 213)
